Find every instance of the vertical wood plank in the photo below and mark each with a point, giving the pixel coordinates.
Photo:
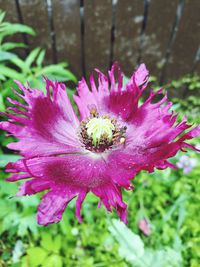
(9, 6)
(11, 11)
(66, 17)
(186, 43)
(159, 26)
(35, 14)
(98, 23)
(129, 17)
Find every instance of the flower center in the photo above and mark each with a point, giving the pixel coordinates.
(99, 133)
(100, 128)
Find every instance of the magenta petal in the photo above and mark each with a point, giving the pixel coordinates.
(79, 203)
(110, 196)
(141, 76)
(49, 124)
(33, 186)
(17, 177)
(53, 205)
(123, 101)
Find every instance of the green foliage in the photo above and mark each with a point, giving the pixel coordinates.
(131, 247)
(31, 69)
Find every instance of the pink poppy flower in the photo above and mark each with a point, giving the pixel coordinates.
(99, 151)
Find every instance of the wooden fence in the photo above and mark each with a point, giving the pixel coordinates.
(93, 33)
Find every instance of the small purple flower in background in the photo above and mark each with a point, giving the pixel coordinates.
(101, 151)
(186, 163)
(144, 226)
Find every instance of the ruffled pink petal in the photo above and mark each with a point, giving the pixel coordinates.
(79, 203)
(33, 186)
(141, 76)
(18, 176)
(53, 205)
(116, 98)
(48, 125)
(76, 171)
(110, 196)
(152, 138)
(88, 99)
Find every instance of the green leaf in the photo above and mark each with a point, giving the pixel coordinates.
(20, 64)
(36, 256)
(40, 57)
(53, 261)
(27, 223)
(57, 243)
(131, 245)
(11, 28)
(2, 15)
(10, 73)
(2, 106)
(58, 71)
(162, 258)
(6, 55)
(12, 45)
(2, 77)
(4, 159)
(32, 57)
(47, 242)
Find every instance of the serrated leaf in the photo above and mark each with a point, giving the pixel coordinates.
(6, 55)
(131, 248)
(20, 64)
(40, 57)
(7, 28)
(27, 223)
(36, 257)
(162, 258)
(53, 261)
(47, 242)
(2, 15)
(32, 57)
(58, 71)
(12, 45)
(131, 245)
(10, 73)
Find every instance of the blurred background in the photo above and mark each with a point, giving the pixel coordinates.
(65, 40)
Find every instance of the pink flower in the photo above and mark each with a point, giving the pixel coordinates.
(101, 152)
(144, 227)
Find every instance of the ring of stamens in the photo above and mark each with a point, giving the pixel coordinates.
(99, 133)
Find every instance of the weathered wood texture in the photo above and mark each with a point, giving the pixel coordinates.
(159, 26)
(97, 37)
(66, 15)
(35, 14)
(113, 31)
(12, 15)
(129, 17)
(186, 43)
